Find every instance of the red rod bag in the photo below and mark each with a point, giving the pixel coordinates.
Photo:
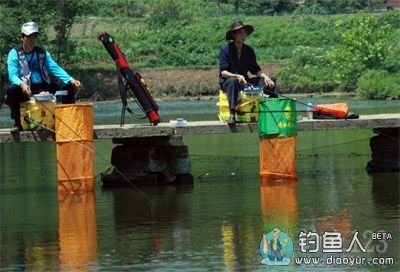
(134, 79)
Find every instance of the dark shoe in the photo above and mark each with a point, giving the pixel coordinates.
(2, 101)
(15, 129)
(231, 119)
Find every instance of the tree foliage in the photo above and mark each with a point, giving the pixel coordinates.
(14, 13)
(57, 13)
(65, 13)
(321, 53)
(324, 7)
(266, 7)
(363, 44)
(164, 13)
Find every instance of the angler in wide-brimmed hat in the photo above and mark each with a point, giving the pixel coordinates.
(236, 60)
(236, 26)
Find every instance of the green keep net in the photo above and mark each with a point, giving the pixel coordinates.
(277, 117)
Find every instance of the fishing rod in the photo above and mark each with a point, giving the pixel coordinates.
(55, 116)
(239, 112)
(266, 91)
(347, 119)
(30, 120)
(292, 99)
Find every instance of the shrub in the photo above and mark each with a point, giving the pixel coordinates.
(165, 12)
(379, 84)
(308, 71)
(362, 44)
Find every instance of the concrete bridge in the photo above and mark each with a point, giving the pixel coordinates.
(155, 153)
(375, 121)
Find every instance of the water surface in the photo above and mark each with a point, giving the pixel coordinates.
(214, 224)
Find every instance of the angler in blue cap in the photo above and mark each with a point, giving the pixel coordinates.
(31, 70)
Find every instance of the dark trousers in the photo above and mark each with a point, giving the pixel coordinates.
(232, 87)
(15, 96)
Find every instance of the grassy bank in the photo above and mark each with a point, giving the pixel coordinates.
(179, 56)
(311, 53)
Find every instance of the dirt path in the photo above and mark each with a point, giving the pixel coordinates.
(178, 78)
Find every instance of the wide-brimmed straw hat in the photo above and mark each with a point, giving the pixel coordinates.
(236, 26)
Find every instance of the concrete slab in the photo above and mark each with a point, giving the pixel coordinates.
(387, 120)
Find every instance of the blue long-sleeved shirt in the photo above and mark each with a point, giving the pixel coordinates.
(229, 61)
(36, 76)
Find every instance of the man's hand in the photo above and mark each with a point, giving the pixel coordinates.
(26, 89)
(268, 82)
(76, 84)
(241, 79)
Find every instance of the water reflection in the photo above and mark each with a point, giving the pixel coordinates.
(33, 161)
(336, 222)
(38, 257)
(229, 242)
(77, 232)
(386, 189)
(215, 226)
(279, 206)
(151, 221)
(385, 193)
(239, 240)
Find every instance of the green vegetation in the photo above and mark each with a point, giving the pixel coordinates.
(351, 53)
(363, 47)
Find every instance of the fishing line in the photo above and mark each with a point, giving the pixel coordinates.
(346, 119)
(293, 99)
(332, 145)
(30, 120)
(379, 132)
(216, 157)
(76, 95)
(54, 114)
(234, 174)
(209, 176)
(91, 150)
(239, 112)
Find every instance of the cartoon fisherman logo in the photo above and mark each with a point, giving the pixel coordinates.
(288, 113)
(276, 248)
